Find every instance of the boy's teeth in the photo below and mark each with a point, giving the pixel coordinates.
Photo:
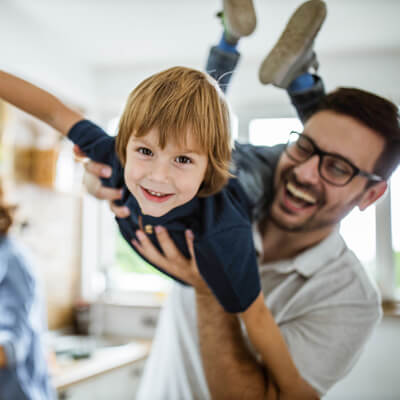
(300, 194)
(155, 193)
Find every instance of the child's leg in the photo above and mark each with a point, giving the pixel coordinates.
(238, 19)
(288, 63)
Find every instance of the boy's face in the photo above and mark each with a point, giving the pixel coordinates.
(163, 179)
(303, 201)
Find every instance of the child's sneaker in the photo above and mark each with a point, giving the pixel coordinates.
(293, 53)
(239, 17)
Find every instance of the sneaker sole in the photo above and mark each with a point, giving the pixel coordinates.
(295, 40)
(240, 17)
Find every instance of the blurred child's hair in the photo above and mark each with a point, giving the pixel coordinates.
(177, 101)
(6, 212)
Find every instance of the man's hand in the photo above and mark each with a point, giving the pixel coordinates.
(94, 171)
(171, 259)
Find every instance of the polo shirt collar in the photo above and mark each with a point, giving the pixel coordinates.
(310, 261)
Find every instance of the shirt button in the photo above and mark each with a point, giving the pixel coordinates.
(148, 229)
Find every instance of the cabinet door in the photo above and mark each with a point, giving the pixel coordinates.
(120, 384)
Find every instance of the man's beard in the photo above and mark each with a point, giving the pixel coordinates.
(317, 220)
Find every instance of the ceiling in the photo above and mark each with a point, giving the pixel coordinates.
(121, 41)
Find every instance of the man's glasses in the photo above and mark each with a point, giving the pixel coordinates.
(333, 168)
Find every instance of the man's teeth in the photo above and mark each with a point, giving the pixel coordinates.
(300, 194)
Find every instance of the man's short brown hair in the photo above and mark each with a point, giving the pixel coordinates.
(375, 112)
(174, 101)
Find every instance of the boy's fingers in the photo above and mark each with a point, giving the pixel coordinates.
(98, 169)
(119, 211)
(78, 152)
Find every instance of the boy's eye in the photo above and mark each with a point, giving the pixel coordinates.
(183, 160)
(145, 151)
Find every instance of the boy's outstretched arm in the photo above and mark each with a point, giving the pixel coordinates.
(37, 102)
(268, 341)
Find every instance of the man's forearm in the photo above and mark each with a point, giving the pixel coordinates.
(232, 372)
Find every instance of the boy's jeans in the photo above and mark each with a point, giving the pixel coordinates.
(221, 65)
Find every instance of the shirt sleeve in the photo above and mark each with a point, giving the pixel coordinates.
(254, 167)
(326, 343)
(16, 300)
(99, 147)
(228, 263)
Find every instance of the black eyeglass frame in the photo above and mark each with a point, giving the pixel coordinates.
(321, 154)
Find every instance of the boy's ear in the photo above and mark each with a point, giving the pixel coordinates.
(372, 194)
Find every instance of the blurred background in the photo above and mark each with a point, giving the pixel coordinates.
(91, 54)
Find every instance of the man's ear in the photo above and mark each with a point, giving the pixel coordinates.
(372, 194)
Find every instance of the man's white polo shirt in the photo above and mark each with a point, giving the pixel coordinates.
(322, 300)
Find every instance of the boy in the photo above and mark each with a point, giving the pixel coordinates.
(171, 158)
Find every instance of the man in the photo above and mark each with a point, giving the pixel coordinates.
(316, 289)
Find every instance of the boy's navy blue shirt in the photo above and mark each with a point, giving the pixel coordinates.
(223, 242)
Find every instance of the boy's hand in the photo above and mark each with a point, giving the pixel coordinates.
(171, 259)
(94, 171)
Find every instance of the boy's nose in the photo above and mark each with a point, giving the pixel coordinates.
(160, 172)
(308, 171)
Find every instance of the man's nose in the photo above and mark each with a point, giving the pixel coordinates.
(308, 171)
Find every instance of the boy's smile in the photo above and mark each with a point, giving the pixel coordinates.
(155, 196)
(163, 179)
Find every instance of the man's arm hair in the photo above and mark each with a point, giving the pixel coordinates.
(232, 372)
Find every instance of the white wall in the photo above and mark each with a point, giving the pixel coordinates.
(376, 376)
(30, 51)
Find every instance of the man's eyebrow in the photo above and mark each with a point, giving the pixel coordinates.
(334, 153)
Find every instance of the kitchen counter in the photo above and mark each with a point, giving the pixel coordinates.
(69, 372)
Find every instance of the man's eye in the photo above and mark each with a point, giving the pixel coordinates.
(338, 169)
(145, 151)
(183, 160)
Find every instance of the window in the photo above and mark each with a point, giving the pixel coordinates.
(395, 222)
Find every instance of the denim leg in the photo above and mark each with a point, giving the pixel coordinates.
(220, 65)
(306, 101)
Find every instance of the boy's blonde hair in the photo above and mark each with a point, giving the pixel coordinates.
(174, 101)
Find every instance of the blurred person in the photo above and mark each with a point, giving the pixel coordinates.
(23, 360)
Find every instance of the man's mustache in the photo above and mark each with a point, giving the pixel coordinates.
(290, 176)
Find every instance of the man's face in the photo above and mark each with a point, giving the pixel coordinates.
(163, 179)
(303, 201)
